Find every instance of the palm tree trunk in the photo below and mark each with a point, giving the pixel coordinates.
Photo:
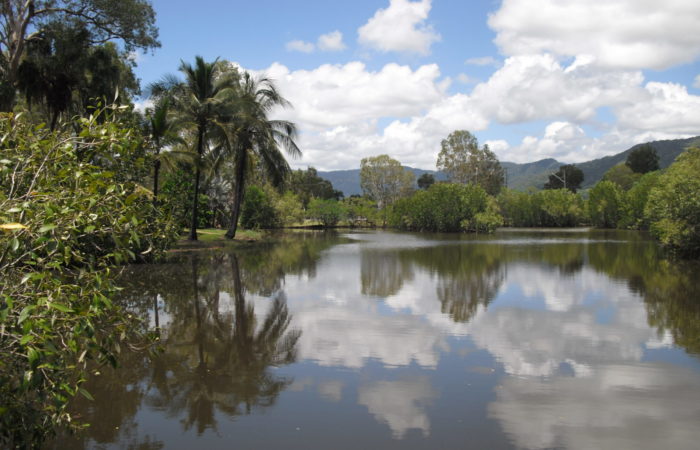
(156, 171)
(195, 197)
(238, 196)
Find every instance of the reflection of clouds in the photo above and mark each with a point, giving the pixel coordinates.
(399, 403)
(335, 335)
(536, 343)
(641, 406)
(530, 342)
(562, 292)
(331, 390)
(340, 326)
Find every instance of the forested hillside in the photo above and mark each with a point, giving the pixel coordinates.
(532, 175)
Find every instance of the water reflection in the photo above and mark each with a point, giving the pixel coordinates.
(582, 340)
(218, 349)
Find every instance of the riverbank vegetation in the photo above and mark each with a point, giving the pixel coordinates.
(87, 183)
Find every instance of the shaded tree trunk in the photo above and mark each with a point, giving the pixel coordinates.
(195, 197)
(238, 196)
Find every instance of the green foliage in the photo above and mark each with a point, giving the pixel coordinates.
(258, 210)
(64, 222)
(307, 185)
(635, 201)
(516, 208)
(464, 162)
(176, 198)
(130, 21)
(485, 221)
(558, 208)
(425, 181)
(384, 180)
(289, 209)
(673, 208)
(568, 176)
(328, 212)
(444, 207)
(643, 159)
(622, 175)
(605, 202)
(361, 211)
(549, 208)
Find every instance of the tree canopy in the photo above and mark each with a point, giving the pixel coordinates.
(384, 180)
(568, 176)
(674, 206)
(130, 21)
(425, 181)
(643, 159)
(464, 162)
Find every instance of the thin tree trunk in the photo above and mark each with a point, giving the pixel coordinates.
(195, 198)
(54, 119)
(238, 197)
(156, 172)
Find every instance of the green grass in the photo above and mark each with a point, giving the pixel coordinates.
(208, 237)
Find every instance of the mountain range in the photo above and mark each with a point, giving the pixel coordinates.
(531, 175)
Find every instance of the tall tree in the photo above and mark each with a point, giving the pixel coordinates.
(162, 130)
(307, 185)
(567, 177)
(130, 21)
(425, 181)
(65, 74)
(643, 159)
(202, 104)
(464, 162)
(384, 180)
(252, 132)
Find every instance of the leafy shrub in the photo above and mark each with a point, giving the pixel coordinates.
(67, 214)
(635, 201)
(257, 210)
(548, 208)
(328, 212)
(673, 208)
(288, 208)
(605, 204)
(442, 207)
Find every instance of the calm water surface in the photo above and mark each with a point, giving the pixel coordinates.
(522, 339)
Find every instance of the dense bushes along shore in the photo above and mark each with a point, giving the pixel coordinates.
(70, 210)
(665, 202)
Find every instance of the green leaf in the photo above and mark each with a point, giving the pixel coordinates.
(25, 339)
(60, 307)
(86, 394)
(33, 356)
(46, 228)
(25, 313)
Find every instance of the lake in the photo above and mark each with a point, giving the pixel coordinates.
(532, 339)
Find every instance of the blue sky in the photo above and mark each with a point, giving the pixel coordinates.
(569, 79)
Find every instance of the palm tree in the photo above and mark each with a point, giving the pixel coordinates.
(251, 132)
(201, 103)
(162, 131)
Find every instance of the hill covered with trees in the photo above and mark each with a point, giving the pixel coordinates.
(521, 177)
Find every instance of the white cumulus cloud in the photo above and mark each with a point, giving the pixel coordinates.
(630, 34)
(300, 46)
(331, 42)
(400, 28)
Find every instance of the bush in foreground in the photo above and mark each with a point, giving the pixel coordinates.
(67, 213)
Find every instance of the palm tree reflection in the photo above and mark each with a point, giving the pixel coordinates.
(218, 354)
